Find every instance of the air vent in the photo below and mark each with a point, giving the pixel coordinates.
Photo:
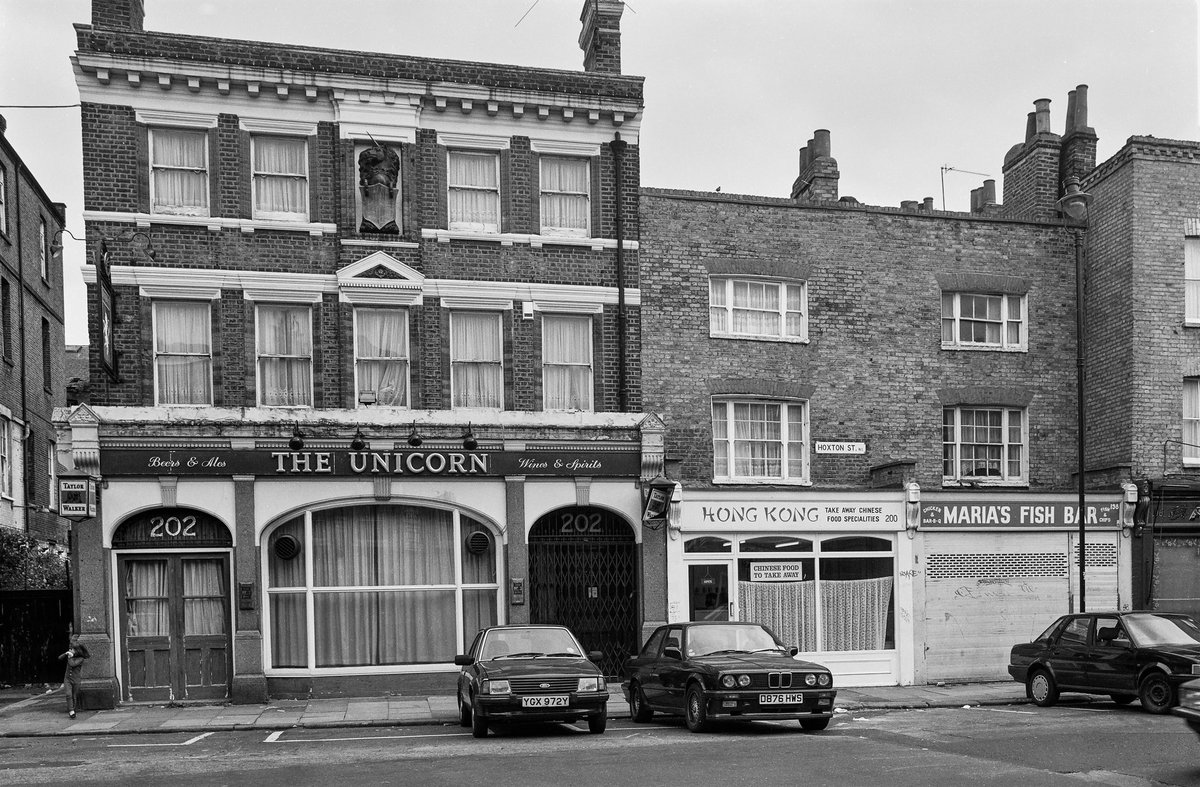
(478, 542)
(287, 547)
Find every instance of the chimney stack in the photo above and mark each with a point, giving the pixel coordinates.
(600, 39)
(1079, 140)
(1031, 182)
(818, 178)
(118, 15)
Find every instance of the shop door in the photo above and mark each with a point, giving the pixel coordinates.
(708, 592)
(583, 575)
(175, 620)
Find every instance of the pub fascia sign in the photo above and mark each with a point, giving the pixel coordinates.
(368, 463)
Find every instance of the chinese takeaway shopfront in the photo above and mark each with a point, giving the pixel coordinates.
(827, 572)
(257, 569)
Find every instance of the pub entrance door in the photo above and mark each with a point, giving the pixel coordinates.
(583, 575)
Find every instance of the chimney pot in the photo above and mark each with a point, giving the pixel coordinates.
(1042, 113)
(1030, 126)
(821, 147)
(1070, 112)
(1081, 108)
(989, 192)
(927, 204)
(908, 204)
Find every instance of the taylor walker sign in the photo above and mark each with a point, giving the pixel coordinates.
(995, 514)
(369, 463)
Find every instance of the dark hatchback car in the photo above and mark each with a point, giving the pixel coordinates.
(530, 673)
(1126, 655)
(706, 671)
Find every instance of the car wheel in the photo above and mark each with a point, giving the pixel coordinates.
(1042, 689)
(478, 724)
(814, 725)
(1156, 693)
(638, 710)
(1123, 699)
(597, 722)
(464, 713)
(696, 710)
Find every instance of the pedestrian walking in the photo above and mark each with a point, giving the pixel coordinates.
(75, 656)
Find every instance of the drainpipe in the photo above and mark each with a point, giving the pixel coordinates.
(26, 467)
(618, 149)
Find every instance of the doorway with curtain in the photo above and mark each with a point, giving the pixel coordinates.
(175, 627)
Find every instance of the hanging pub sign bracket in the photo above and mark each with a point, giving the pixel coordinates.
(76, 497)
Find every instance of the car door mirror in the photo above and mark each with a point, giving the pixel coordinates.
(463, 660)
(596, 656)
(673, 653)
(793, 650)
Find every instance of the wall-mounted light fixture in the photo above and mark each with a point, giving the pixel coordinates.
(359, 441)
(297, 441)
(56, 245)
(415, 438)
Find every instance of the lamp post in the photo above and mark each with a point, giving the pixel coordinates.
(1074, 203)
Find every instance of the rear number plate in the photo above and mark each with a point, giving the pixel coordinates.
(780, 699)
(545, 702)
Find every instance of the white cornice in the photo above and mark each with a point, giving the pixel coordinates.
(162, 117)
(535, 241)
(159, 279)
(564, 148)
(214, 223)
(276, 126)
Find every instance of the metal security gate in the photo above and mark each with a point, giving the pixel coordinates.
(583, 575)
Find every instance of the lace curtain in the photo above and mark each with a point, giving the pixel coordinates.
(564, 200)
(147, 608)
(756, 308)
(285, 355)
(381, 343)
(203, 598)
(179, 171)
(854, 612)
(280, 177)
(182, 346)
(474, 194)
(1191, 417)
(477, 373)
(567, 362)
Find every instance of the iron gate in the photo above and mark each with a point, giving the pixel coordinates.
(583, 575)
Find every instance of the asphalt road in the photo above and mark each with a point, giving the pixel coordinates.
(1070, 744)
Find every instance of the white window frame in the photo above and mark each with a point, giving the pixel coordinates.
(44, 248)
(952, 317)
(498, 317)
(259, 355)
(953, 444)
(154, 339)
(492, 227)
(52, 472)
(1191, 421)
(721, 308)
(6, 457)
(255, 176)
(547, 367)
(1191, 280)
(406, 356)
(3, 201)
(180, 210)
(546, 194)
(787, 424)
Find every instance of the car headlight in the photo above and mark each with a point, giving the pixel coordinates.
(825, 679)
(728, 681)
(592, 684)
(743, 680)
(1189, 698)
(810, 679)
(495, 687)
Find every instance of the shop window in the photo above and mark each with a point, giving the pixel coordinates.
(178, 172)
(1191, 281)
(760, 309)
(566, 362)
(983, 445)
(476, 359)
(280, 177)
(381, 356)
(983, 320)
(182, 353)
(284, 337)
(707, 544)
(389, 585)
(757, 441)
(474, 191)
(1191, 420)
(565, 202)
(775, 544)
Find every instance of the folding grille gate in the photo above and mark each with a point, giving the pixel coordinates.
(583, 575)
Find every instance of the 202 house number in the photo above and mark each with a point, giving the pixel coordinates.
(573, 524)
(173, 527)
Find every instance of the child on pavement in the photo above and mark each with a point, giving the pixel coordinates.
(75, 656)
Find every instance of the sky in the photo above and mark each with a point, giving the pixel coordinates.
(733, 90)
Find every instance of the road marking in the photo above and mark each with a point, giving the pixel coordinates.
(274, 737)
(199, 737)
(1000, 710)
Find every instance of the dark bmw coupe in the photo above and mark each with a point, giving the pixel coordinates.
(705, 671)
(530, 673)
(1126, 655)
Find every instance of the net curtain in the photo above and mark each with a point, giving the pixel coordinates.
(179, 171)
(854, 612)
(564, 195)
(182, 345)
(280, 177)
(474, 196)
(285, 350)
(382, 348)
(567, 361)
(475, 352)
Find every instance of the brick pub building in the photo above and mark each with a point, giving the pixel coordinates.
(365, 369)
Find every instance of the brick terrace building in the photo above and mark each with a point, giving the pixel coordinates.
(31, 340)
(872, 413)
(367, 367)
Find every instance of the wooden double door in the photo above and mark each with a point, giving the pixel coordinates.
(175, 626)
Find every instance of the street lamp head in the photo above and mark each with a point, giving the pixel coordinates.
(1074, 202)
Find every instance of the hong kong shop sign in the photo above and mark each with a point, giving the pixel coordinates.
(451, 463)
(1016, 514)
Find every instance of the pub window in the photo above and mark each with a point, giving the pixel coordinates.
(178, 171)
(182, 352)
(284, 356)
